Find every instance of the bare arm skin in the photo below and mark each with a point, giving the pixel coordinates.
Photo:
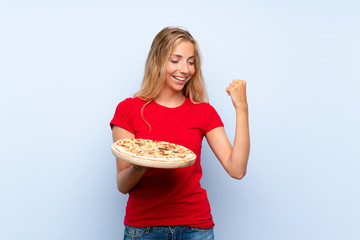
(234, 158)
(126, 176)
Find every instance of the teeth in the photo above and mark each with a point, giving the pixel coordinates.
(180, 78)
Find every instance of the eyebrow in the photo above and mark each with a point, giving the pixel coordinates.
(177, 55)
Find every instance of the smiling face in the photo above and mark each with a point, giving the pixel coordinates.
(181, 66)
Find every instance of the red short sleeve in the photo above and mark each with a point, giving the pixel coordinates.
(212, 119)
(124, 115)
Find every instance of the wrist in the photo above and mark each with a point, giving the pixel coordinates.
(242, 108)
(138, 168)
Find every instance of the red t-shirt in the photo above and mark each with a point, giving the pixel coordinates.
(169, 196)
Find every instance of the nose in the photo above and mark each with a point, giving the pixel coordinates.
(184, 68)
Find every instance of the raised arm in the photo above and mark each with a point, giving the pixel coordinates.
(127, 176)
(233, 158)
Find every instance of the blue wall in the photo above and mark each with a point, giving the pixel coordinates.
(65, 65)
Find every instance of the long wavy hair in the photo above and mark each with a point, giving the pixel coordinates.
(155, 67)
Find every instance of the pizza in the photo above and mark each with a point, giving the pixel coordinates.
(149, 153)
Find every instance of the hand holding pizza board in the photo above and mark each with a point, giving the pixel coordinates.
(155, 154)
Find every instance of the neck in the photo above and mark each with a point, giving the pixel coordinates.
(170, 99)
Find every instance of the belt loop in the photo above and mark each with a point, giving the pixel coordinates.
(147, 229)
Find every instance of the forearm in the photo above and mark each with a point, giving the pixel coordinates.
(127, 178)
(241, 147)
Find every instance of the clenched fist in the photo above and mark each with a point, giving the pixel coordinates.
(237, 91)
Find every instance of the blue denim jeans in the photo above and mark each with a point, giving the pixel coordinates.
(168, 233)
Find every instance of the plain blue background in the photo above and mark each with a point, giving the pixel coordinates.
(64, 66)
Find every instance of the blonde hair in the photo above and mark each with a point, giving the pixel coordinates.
(155, 67)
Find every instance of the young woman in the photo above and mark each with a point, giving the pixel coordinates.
(171, 106)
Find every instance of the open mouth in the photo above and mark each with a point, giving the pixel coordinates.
(180, 78)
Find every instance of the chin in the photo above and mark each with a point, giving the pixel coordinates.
(178, 89)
